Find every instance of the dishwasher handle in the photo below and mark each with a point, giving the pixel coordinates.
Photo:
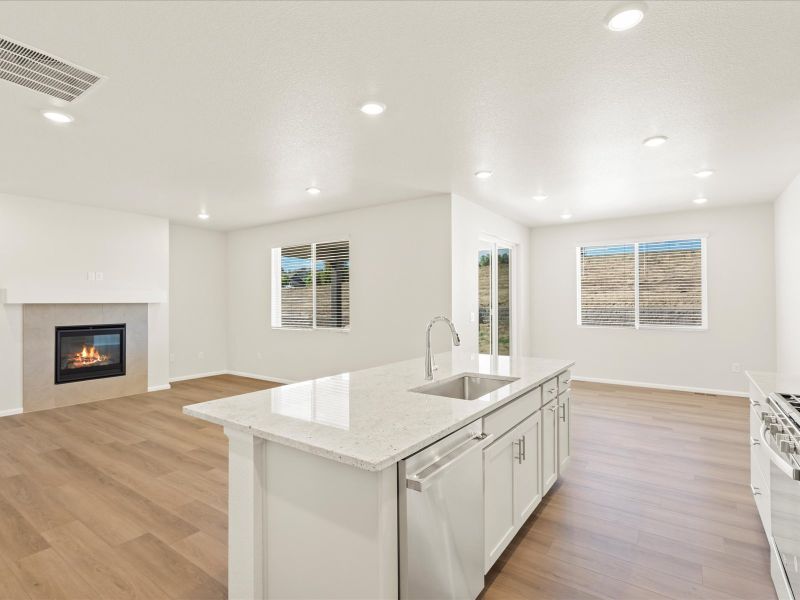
(420, 481)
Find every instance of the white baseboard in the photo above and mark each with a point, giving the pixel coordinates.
(158, 388)
(197, 376)
(10, 411)
(261, 377)
(227, 372)
(662, 386)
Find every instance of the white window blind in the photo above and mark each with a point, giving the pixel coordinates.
(647, 284)
(608, 286)
(671, 283)
(311, 286)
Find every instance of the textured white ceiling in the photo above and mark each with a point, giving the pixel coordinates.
(238, 107)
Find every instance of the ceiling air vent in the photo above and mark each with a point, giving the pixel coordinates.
(43, 72)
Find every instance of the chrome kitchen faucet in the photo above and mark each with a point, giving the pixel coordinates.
(430, 367)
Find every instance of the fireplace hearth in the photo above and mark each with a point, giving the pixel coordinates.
(89, 352)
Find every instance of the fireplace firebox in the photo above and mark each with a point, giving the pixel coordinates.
(89, 352)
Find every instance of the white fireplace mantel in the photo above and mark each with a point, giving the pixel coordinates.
(44, 295)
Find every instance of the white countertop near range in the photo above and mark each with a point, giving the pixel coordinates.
(369, 418)
(767, 382)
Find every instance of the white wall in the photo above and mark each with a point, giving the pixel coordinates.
(400, 278)
(787, 278)
(198, 292)
(39, 247)
(470, 223)
(741, 297)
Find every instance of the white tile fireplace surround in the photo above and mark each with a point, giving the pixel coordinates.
(39, 389)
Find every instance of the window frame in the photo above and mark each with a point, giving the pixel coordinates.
(275, 291)
(635, 243)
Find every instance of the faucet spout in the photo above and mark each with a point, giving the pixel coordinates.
(430, 366)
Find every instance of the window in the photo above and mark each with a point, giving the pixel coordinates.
(494, 298)
(311, 286)
(643, 284)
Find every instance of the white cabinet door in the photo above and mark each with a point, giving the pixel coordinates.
(498, 478)
(527, 470)
(549, 445)
(564, 433)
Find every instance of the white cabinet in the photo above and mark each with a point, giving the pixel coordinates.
(512, 485)
(759, 460)
(520, 467)
(498, 495)
(564, 432)
(527, 471)
(549, 445)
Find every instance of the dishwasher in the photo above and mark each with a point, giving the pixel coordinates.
(440, 491)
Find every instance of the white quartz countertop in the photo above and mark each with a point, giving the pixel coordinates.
(370, 419)
(766, 382)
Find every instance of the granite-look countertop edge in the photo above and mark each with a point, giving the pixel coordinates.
(366, 397)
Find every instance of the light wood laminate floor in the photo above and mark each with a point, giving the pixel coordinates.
(127, 498)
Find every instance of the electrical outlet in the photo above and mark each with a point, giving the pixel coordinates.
(736, 368)
(259, 356)
(201, 355)
(98, 276)
(90, 275)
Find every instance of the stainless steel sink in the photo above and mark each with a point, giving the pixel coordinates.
(465, 386)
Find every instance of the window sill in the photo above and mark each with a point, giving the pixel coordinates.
(333, 329)
(645, 327)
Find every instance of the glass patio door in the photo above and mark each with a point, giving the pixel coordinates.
(494, 298)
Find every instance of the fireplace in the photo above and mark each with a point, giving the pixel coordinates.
(89, 352)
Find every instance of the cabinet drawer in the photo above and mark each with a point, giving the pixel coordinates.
(513, 413)
(549, 390)
(563, 381)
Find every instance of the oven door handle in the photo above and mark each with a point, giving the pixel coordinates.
(778, 460)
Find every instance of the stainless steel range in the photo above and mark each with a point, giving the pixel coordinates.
(781, 436)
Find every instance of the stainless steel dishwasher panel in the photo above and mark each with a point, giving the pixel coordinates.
(441, 518)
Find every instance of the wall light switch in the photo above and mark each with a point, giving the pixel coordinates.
(201, 355)
(98, 276)
(736, 368)
(472, 317)
(90, 275)
(259, 356)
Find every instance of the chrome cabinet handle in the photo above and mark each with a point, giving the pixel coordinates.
(524, 448)
(551, 390)
(518, 444)
(563, 409)
(755, 490)
(754, 402)
(754, 441)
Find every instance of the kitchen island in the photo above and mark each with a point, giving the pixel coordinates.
(314, 501)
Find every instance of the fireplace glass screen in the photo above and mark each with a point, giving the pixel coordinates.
(89, 352)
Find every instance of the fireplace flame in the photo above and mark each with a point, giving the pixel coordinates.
(86, 357)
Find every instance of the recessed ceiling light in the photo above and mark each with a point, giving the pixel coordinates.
(700, 200)
(625, 16)
(704, 173)
(566, 216)
(655, 141)
(203, 216)
(540, 197)
(58, 117)
(314, 191)
(483, 174)
(373, 108)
